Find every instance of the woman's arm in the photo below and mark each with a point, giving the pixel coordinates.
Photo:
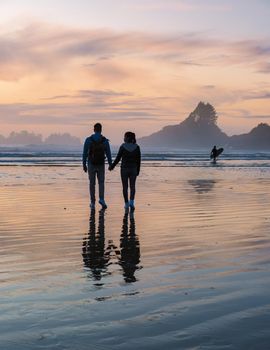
(118, 158)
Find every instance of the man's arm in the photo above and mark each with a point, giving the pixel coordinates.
(139, 161)
(108, 152)
(118, 158)
(85, 153)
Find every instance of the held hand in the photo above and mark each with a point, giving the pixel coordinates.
(85, 168)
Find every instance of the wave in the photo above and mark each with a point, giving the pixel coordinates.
(155, 159)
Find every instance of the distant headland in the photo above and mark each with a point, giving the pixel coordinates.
(200, 130)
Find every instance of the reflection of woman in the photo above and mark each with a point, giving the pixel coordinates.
(129, 249)
(130, 154)
(93, 247)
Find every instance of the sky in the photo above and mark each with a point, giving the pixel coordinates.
(132, 65)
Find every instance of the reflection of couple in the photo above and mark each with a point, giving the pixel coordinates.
(96, 148)
(97, 258)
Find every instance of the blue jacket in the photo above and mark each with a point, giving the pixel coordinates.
(87, 146)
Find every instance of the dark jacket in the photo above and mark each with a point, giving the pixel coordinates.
(87, 146)
(130, 154)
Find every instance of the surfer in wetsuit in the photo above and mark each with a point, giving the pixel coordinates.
(214, 154)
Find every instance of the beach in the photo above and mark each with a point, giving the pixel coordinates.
(189, 269)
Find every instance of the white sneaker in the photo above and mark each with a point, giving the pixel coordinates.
(132, 204)
(103, 204)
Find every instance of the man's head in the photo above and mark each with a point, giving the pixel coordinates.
(97, 127)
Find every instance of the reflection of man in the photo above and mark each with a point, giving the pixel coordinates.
(129, 249)
(93, 247)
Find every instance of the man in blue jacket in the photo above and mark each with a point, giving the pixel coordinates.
(96, 148)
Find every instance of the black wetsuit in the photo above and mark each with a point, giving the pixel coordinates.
(214, 153)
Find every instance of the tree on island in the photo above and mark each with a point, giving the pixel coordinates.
(24, 138)
(62, 139)
(204, 114)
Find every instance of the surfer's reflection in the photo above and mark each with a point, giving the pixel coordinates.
(129, 248)
(93, 250)
(202, 186)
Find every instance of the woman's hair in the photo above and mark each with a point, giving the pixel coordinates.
(130, 137)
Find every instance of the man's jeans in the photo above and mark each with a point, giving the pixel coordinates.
(99, 172)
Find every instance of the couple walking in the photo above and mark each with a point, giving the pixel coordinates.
(96, 149)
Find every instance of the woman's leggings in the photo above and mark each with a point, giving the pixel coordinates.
(129, 175)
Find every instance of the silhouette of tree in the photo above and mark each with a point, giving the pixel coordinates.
(62, 139)
(24, 138)
(204, 113)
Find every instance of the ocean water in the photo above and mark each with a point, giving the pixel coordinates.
(189, 269)
(154, 158)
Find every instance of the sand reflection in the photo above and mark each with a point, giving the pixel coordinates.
(203, 185)
(99, 255)
(130, 248)
(93, 250)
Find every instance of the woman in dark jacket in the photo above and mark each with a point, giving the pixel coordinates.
(130, 154)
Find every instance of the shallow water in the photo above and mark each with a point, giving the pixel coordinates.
(189, 270)
(150, 158)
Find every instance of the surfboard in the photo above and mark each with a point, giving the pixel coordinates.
(219, 151)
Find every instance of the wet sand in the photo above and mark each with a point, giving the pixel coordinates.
(189, 270)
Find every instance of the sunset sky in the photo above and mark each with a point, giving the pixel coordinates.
(132, 65)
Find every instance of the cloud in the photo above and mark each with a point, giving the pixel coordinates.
(44, 48)
(259, 117)
(258, 96)
(57, 97)
(89, 94)
(102, 93)
(72, 76)
(239, 113)
(190, 63)
(72, 113)
(264, 68)
(208, 86)
(179, 6)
